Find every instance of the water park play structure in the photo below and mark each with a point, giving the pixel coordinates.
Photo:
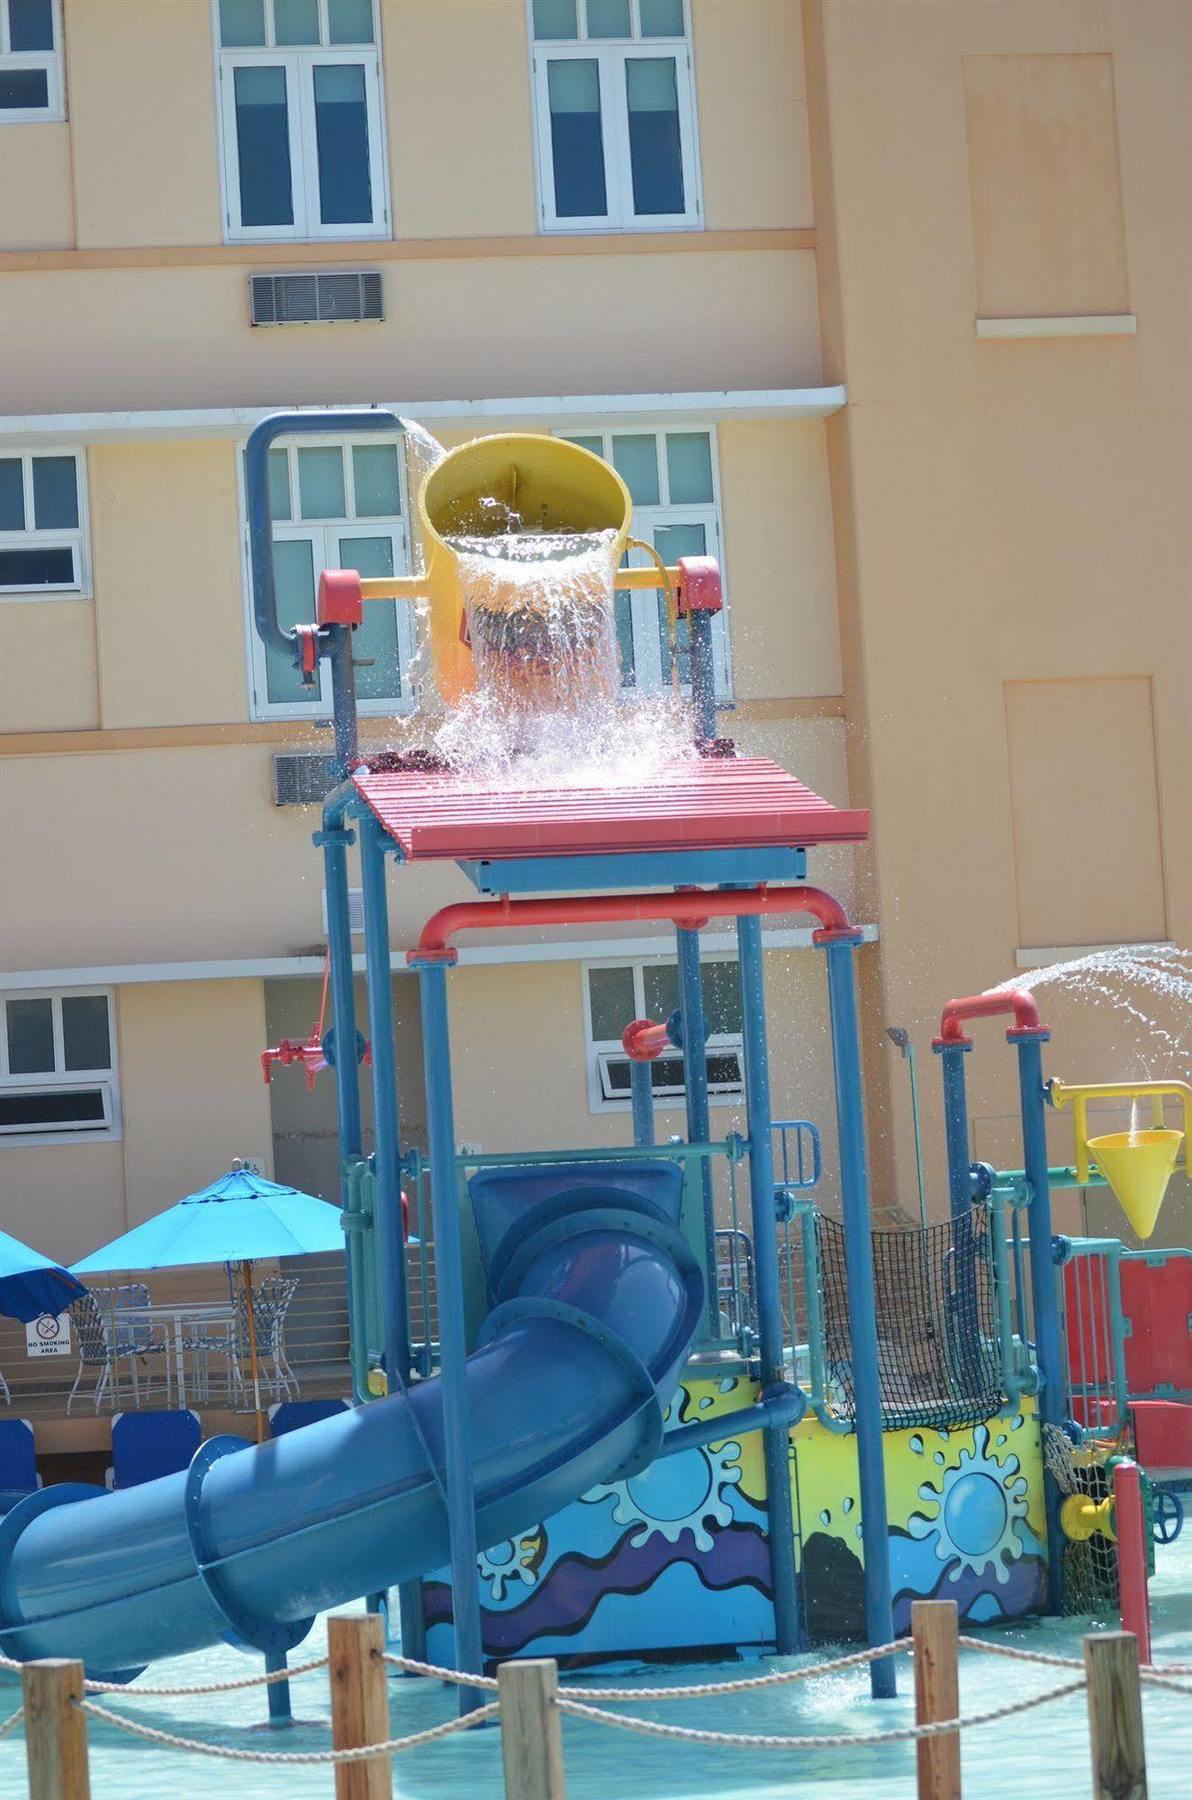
(638, 1427)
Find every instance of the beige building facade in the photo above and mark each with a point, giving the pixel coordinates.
(882, 303)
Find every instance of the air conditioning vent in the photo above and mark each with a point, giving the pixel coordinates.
(302, 778)
(331, 299)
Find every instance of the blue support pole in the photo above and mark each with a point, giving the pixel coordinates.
(776, 1437)
(956, 1133)
(280, 1711)
(854, 1187)
(457, 1446)
(1044, 1298)
(695, 1077)
(641, 1094)
(703, 675)
(963, 1296)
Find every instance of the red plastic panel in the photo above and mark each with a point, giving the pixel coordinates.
(1157, 1299)
(737, 803)
(1162, 1434)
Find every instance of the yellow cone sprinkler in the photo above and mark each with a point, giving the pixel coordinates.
(1138, 1165)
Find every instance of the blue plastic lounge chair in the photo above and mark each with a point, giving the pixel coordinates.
(148, 1444)
(18, 1465)
(291, 1415)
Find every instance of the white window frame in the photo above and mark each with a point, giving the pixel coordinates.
(327, 530)
(76, 538)
(298, 61)
(599, 1050)
(54, 111)
(61, 1079)
(647, 647)
(610, 56)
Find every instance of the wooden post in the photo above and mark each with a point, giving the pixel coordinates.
(531, 1730)
(937, 1696)
(1115, 1716)
(359, 1704)
(55, 1731)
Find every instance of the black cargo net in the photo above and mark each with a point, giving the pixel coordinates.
(938, 1355)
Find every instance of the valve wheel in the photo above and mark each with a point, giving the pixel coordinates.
(1168, 1519)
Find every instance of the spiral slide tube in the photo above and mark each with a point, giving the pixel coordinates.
(597, 1300)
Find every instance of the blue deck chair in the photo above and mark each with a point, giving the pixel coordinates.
(148, 1444)
(18, 1464)
(292, 1415)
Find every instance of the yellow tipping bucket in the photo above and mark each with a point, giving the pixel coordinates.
(549, 484)
(1138, 1166)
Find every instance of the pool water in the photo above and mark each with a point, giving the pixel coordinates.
(1045, 1754)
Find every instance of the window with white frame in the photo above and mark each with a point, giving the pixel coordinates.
(30, 62)
(672, 481)
(43, 525)
(302, 119)
(615, 113)
(615, 993)
(336, 503)
(57, 1067)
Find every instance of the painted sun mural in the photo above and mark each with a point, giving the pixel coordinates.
(677, 1557)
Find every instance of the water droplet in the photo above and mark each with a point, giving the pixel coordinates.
(825, 1517)
(915, 1443)
(705, 1401)
(939, 1458)
(847, 1504)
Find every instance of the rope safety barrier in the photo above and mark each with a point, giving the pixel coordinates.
(359, 1640)
(749, 1740)
(289, 1758)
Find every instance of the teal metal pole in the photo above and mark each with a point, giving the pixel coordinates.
(389, 1236)
(695, 1079)
(854, 1188)
(641, 1095)
(776, 1437)
(1052, 1398)
(334, 840)
(453, 1346)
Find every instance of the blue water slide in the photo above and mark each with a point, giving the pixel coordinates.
(595, 1300)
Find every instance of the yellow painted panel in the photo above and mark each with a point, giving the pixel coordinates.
(754, 151)
(1045, 184)
(47, 666)
(781, 569)
(36, 201)
(1087, 838)
(462, 156)
(168, 583)
(141, 82)
(191, 1088)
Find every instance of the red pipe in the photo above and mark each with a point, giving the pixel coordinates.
(691, 908)
(987, 1006)
(643, 1040)
(1129, 1526)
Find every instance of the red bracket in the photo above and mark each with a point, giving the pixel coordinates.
(699, 588)
(341, 598)
(308, 652)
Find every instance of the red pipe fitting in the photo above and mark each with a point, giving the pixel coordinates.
(643, 1040)
(699, 586)
(691, 909)
(987, 1006)
(340, 598)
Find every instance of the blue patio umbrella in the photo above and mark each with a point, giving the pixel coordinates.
(239, 1218)
(30, 1284)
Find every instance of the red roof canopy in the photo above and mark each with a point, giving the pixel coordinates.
(716, 804)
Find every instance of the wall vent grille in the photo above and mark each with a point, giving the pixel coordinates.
(302, 778)
(332, 299)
